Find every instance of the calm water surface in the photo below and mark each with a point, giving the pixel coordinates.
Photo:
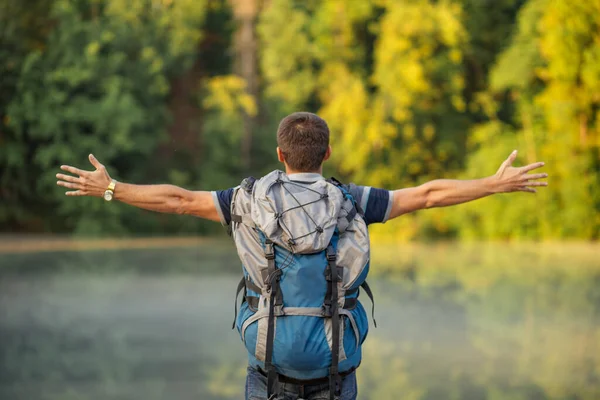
(455, 322)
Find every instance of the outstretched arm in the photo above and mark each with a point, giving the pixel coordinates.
(160, 198)
(448, 192)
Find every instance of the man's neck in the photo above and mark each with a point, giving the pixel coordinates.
(289, 171)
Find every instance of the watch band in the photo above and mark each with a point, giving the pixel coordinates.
(111, 185)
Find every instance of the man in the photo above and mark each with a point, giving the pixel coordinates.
(303, 146)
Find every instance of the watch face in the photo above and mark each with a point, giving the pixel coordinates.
(108, 195)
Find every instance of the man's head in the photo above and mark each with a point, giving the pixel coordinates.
(303, 142)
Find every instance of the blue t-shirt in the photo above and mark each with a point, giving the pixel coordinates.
(375, 203)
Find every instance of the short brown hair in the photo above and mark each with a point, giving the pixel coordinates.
(303, 138)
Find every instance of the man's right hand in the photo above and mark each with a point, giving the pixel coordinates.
(159, 198)
(85, 183)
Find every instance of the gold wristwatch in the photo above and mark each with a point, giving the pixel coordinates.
(110, 191)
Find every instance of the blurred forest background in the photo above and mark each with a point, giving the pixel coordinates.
(190, 92)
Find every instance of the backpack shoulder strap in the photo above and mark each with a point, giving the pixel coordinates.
(247, 185)
(356, 208)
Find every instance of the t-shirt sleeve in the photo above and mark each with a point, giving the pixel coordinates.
(222, 200)
(375, 203)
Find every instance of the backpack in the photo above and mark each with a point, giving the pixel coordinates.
(305, 250)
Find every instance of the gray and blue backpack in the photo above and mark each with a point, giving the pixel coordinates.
(305, 248)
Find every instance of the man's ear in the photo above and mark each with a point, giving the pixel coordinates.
(327, 153)
(280, 156)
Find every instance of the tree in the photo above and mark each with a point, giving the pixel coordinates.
(100, 85)
(22, 29)
(551, 77)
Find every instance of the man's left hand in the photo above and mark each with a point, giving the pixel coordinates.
(517, 179)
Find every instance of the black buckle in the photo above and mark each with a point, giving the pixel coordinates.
(331, 256)
(326, 310)
(269, 252)
(278, 310)
(329, 274)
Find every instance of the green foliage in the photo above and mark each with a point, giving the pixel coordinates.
(288, 69)
(411, 90)
(22, 30)
(419, 75)
(551, 74)
(226, 101)
(100, 85)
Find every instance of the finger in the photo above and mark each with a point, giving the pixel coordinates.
(529, 167)
(511, 158)
(68, 178)
(535, 176)
(95, 162)
(537, 183)
(73, 170)
(76, 193)
(69, 185)
(529, 190)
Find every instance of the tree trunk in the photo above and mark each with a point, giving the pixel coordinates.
(186, 124)
(246, 64)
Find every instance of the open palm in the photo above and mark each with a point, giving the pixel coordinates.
(518, 179)
(85, 183)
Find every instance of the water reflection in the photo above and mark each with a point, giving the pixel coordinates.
(455, 322)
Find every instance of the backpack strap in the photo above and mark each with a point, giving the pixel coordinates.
(245, 219)
(333, 275)
(240, 286)
(356, 209)
(369, 293)
(275, 308)
(245, 284)
(246, 185)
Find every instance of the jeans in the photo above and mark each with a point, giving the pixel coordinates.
(256, 388)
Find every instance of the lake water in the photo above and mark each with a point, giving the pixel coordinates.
(478, 321)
